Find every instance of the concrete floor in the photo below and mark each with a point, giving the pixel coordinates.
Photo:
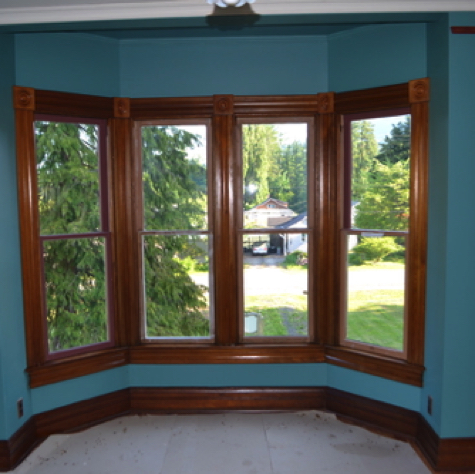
(233, 443)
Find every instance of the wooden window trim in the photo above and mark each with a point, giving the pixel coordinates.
(326, 109)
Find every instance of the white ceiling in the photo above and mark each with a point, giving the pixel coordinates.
(48, 11)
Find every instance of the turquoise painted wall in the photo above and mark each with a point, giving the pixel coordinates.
(376, 55)
(68, 62)
(383, 390)
(207, 66)
(13, 381)
(438, 71)
(55, 395)
(458, 411)
(221, 375)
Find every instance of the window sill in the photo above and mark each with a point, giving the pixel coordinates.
(375, 364)
(81, 365)
(76, 366)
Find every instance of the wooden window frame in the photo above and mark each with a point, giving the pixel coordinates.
(223, 111)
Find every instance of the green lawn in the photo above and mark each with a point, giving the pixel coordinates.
(374, 316)
(377, 317)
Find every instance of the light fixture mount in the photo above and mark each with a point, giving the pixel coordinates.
(229, 3)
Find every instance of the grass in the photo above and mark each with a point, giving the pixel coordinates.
(281, 315)
(376, 317)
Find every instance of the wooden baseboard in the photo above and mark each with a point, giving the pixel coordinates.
(442, 455)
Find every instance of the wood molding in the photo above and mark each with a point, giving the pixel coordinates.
(276, 105)
(73, 105)
(195, 400)
(419, 90)
(326, 103)
(368, 100)
(447, 455)
(223, 104)
(463, 30)
(14, 450)
(76, 366)
(23, 98)
(121, 107)
(81, 415)
(381, 366)
(148, 354)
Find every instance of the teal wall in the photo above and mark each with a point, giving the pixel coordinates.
(235, 375)
(376, 55)
(13, 382)
(364, 385)
(365, 57)
(72, 62)
(458, 411)
(438, 71)
(207, 66)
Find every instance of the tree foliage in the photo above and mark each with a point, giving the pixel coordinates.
(374, 249)
(384, 201)
(272, 168)
(174, 199)
(74, 268)
(364, 148)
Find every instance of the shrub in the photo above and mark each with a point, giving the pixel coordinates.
(296, 258)
(374, 249)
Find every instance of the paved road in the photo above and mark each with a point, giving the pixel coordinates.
(275, 280)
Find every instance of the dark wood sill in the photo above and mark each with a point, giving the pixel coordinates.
(81, 365)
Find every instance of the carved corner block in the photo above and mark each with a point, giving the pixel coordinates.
(23, 98)
(326, 103)
(121, 107)
(419, 90)
(223, 104)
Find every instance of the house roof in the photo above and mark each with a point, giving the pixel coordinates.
(284, 204)
(293, 221)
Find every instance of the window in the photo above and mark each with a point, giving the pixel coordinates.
(71, 176)
(376, 228)
(213, 226)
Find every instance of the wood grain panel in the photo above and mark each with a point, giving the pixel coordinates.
(194, 400)
(77, 366)
(76, 105)
(394, 421)
(379, 98)
(282, 105)
(157, 108)
(381, 366)
(13, 451)
(84, 414)
(148, 354)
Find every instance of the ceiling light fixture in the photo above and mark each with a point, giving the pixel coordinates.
(229, 3)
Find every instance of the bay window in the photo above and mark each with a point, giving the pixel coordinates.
(224, 229)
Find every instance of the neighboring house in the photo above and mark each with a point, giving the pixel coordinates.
(263, 214)
(291, 242)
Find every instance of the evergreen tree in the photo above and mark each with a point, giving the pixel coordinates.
(260, 148)
(68, 198)
(364, 148)
(397, 146)
(174, 199)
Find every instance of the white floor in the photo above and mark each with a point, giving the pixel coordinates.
(285, 443)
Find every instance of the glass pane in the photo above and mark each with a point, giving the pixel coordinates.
(75, 281)
(67, 159)
(274, 165)
(174, 177)
(380, 151)
(375, 294)
(275, 285)
(177, 281)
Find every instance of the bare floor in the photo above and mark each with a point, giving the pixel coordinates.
(285, 443)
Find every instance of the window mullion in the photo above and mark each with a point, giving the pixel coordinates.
(225, 266)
